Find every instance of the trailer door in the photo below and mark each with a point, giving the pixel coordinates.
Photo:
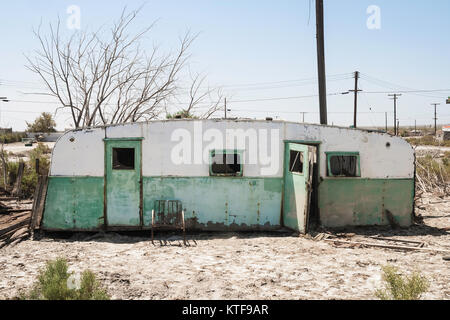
(123, 182)
(298, 175)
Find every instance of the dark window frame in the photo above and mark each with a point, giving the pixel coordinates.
(114, 158)
(215, 152)
(329, 155)
(302, 161)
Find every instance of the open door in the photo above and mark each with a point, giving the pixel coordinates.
(298, 174)
(123, 182)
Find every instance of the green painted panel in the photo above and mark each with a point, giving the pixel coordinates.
(349, 201)
(123, 186)
(218, 202)
(295, 192)
(74, 203)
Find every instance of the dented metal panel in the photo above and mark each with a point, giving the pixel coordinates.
(359, 202)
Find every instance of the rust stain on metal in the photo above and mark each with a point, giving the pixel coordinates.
(258, 214)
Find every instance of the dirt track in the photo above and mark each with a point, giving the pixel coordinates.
(237, 266)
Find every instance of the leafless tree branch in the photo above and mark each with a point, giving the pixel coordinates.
(112, 80)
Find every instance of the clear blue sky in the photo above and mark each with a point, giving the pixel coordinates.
(247, 42)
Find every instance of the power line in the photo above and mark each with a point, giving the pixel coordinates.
(333, 77)
(233, 101)
(408, 91)
(393, 86)
(282, 111)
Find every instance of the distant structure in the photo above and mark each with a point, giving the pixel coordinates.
(5, 130)
(414, 133)
(446, 132)
(45, 136)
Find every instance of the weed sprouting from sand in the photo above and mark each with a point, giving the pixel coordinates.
(55, 282)
(399, 287)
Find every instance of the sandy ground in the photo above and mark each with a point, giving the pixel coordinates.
(19, 147)
(237, 266)
(432, 148)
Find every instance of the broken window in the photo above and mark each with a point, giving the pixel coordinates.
(226, 163)
(296, 161)
(343, 165)
(123, 158)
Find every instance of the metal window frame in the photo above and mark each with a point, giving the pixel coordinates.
(123, 169)
(343, 153)
(226, 151)
(303, 163)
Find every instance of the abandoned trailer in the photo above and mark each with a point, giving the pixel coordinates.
(228, 175)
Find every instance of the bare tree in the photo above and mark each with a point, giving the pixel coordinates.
(204, 101)
(108, 81)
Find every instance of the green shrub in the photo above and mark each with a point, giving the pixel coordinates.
(29, 182)
(12, 169)
(12, 137)
(398, 287)
(40, 150)
(30, 177)
(53, 284)
(90, 288)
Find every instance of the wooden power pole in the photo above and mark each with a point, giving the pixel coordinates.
(321, 62)
(435, 117)
(395, 97)
(385, 119)
(225, 108)
(356, 90)
(303, 113)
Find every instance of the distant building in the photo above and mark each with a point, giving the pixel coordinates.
(45, 136)
(414, 133)
(5, 130)
(446, 132)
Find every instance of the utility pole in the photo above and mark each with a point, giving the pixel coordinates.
(303, 113)
(415, 127)
(435, 117)
(225, 108)
(395, 97)
(356, 90)
(385, 119)
(321, 62)
(2, 99)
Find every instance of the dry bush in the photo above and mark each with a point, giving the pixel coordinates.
(433, 174)
(428, 141)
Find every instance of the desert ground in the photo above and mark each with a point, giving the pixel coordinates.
(240, 265)
(18, 150)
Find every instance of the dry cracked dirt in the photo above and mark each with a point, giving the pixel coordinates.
(238, 265)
